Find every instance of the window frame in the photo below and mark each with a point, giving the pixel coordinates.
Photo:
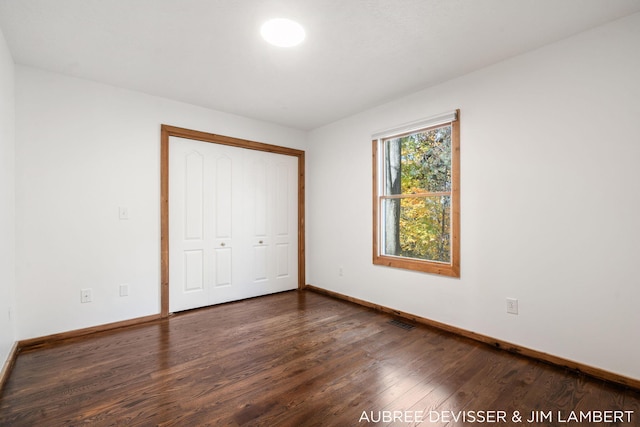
(452, 268)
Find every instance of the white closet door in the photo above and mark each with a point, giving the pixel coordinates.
(232, 223)
(272, 224)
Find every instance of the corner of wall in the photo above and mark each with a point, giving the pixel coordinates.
(7, 209)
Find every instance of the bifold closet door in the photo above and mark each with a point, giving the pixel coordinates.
(233, 215)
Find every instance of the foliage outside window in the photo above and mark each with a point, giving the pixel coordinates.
(416, 197)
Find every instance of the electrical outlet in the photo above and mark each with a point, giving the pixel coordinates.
(512, 306)
(85, 295)
(340, 271)
(124, 290)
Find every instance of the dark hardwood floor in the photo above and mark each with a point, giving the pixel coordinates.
(296, 359)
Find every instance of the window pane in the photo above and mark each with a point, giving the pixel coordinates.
(416, 201)
(418, 163)
(418, 227)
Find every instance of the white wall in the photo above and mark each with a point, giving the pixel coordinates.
(550, 201)
(82, 150)
(7, 201)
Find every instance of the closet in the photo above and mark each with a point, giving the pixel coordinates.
(233, 223)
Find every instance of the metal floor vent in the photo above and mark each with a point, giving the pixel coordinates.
(401, 324)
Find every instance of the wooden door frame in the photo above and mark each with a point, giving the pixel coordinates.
(169, 131)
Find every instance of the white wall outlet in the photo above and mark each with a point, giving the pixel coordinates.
(512, 305)
(340, 271)
(85, 295)
(124, 290)
(123, 212)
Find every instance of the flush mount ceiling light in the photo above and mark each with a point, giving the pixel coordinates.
(282, 32)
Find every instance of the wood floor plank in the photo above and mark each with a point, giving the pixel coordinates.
(291, 359)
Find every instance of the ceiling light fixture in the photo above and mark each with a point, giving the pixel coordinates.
(282, 32)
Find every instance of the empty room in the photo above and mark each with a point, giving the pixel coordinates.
(319, 212)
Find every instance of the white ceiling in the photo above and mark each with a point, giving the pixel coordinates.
(357, 54)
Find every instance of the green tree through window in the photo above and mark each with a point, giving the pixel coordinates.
(416, 178)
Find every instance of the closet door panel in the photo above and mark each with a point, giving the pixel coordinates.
(232, 223)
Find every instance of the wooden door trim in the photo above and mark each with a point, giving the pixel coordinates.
(169, 131)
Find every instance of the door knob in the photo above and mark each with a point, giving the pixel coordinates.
(222, 244)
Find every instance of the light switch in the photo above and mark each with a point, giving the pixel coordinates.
(123, 212)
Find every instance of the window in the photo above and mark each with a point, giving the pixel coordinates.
(416, 196)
